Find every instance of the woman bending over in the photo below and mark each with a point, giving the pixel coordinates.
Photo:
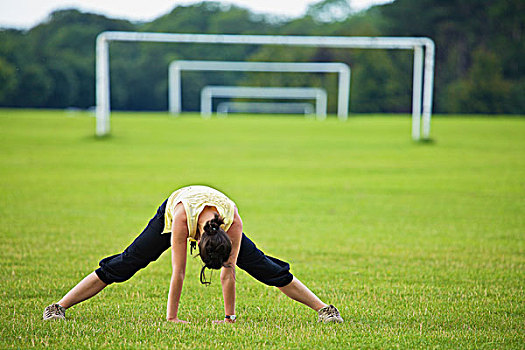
(202, 215)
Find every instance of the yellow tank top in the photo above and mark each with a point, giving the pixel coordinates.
(195, 199)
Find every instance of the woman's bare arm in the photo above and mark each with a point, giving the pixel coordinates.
(228, 273)
(179, 239)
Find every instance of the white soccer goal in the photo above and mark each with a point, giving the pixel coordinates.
(304, 93)
(178, 66)
(223, 108)
(423, 71)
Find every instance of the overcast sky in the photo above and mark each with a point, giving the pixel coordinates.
(27, 13)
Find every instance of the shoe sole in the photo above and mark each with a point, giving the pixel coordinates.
(55, 317)
(332, 320)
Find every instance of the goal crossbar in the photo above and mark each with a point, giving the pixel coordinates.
(223, 108)
(422, 78)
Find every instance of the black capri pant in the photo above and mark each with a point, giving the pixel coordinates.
(151, 243)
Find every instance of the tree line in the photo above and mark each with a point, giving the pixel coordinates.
(480, 52)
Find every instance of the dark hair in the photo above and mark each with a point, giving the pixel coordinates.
(214, 246)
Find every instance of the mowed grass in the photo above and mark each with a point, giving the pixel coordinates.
(419, 245)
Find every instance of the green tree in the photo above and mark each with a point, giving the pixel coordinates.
(64, 46)
(8, 82)
(35, 86)
(479, 55)
(483, 90)
(152, 59)
(464, 31)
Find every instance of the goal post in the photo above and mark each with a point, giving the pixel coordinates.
(176, 67)
(423, 67)
(304, 93)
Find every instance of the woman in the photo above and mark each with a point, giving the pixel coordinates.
(204, 215)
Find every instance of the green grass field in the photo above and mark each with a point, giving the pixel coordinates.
(419, 245)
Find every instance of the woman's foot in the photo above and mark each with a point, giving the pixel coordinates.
(329, 314)
(54, 312)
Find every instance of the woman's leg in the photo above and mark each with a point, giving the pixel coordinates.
(85, 289)
(275, 272)
(147, 247)
(297, 291)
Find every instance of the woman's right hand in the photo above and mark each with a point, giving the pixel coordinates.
(179, 242)
(176, 320)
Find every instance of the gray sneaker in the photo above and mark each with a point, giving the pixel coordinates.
(329, 314)
(54, 312)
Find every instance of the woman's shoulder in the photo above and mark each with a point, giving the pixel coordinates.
(179, 213)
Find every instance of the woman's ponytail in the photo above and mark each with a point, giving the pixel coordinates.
(213, 226)
(214, 246)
